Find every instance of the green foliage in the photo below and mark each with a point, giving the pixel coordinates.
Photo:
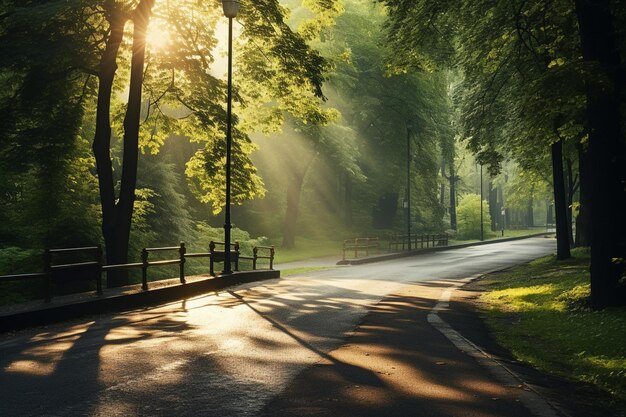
(468, 217)
(378, 108)
(540, 313)
(51, 55)
(207, 233)
(522, 78)
(307, 248)
(14, 260)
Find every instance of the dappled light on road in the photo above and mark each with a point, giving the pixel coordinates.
(231, 352)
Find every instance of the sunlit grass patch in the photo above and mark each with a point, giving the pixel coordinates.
(307, 248)
(539, 312)
(489, 235)
(303, 270)
(520, 299)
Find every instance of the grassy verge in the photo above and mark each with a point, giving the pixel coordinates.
(303, 270)
(507, 233)
(307, 248)
(538, 311)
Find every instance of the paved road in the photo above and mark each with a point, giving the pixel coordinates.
(222, 354)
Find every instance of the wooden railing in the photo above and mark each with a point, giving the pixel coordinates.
(401, 242)
(94, 268)
(360, 244)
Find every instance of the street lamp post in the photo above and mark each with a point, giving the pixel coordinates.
(482, 232)
(409, 126)
(231, 8)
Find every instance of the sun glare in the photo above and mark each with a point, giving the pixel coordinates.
(158, 37)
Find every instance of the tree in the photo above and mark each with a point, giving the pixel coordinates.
(605, 95)
(45, 187)
(169, 90)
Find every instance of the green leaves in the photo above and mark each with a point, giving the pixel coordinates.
(519, 65)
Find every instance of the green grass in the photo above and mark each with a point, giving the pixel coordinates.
(539, 312)
(489, 235)
(303, 270)
(307, 248)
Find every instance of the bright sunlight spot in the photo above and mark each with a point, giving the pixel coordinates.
(158, 37)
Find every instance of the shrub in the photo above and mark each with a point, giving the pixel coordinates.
(468, 217)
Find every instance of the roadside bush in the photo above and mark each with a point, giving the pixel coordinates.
(468, 218)
(14, 260)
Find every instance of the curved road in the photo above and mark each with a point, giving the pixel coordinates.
(221, 354)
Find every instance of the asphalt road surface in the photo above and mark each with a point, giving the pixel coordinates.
(222, 354)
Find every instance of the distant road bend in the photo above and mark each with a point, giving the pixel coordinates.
(221, 354)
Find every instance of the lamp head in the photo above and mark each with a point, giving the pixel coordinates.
(231, 8)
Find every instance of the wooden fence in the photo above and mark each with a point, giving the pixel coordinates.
(360, 244)
(401, 242)
(93, 269)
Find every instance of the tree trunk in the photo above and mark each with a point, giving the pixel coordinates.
(583, 220)
(530, 214)
(560, 209)
(571, 190)
(549, 215)
(493, 207)
(102, 137)
(347, 201)
(453, 179)
(294, 191)
(442, 186)
(606, 151)
(117, 217)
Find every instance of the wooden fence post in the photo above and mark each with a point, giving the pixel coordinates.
(144, 269)
(255, 252)
(47, 262)
(182, 251)
(100, 261)
(272, 252)
(236, 255)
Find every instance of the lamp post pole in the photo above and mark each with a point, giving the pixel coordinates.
(482, 232)
(231, 8)
(408, 182)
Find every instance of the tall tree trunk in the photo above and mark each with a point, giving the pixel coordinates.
(549, 215)
(571, 190)
(117, 217)
(530, 214)
(294, 191)
(102, 137)
(583, 220)
(453, 179)
(442, 186)
(560, 209)
(347, 201)
(493, 206)
(606, 151)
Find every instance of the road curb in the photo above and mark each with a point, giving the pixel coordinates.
(51, 313)
(532, 400)
(415, 252)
